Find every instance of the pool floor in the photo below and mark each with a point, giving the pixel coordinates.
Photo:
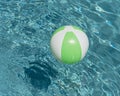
(27, 66)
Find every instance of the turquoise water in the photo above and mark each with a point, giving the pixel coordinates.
(27, 67)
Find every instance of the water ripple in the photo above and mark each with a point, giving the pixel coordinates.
(25, 30)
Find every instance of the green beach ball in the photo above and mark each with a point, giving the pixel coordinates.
(69, 44)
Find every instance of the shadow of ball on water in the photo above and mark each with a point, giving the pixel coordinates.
(39, 74)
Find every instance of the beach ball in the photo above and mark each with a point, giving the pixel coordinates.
(69, 44)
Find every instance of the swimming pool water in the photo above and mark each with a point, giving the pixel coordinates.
(27, 67)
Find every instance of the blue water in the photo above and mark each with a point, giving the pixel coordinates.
(27, 67)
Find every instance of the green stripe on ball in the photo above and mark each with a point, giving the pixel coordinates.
(77, 28)
(59, 29)
(71, 49)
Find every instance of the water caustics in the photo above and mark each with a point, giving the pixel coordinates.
(27, 67)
